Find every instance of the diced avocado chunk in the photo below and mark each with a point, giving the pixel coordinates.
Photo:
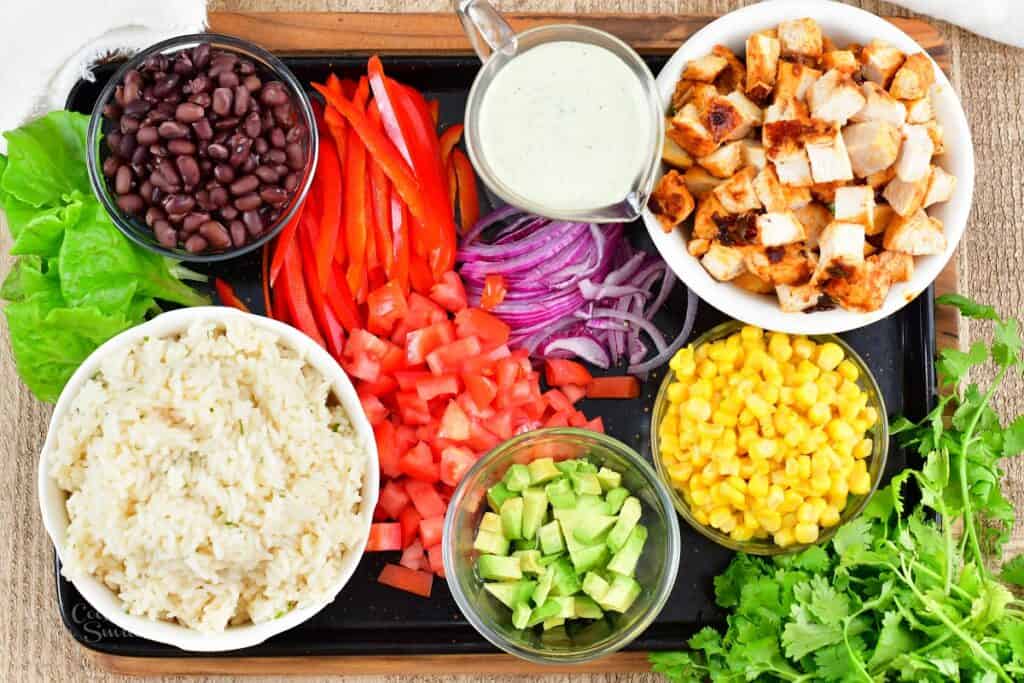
(511, 593)
(567, 466)
(512, 518)
(586, 483)
(529, 561)
(497, 494)
(523, 544)
(629, 515)
(553, 622)
(565, 580)
(535, 508)
(589, 557)
(517, 477)
(540, 594)
(595, 586)
(560, 494)
(623, 591)
(543, 470)
(545, 560)
(592, 504)
(586, 608)
(521, 615)
(550, 536)
(498, 568)
(624, 561)
(568, 606)
(491, 543)
(491, 522)
(610, 479)
(587, 467)
(546, 611)
(615, 499)
(568, 519)
(591, 528)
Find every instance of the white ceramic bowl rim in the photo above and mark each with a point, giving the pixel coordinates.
(52, 499)
(845, 24)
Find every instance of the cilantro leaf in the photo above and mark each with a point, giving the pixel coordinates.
(1013, 571)
(953, 364)
(802, 638)
(1006, 343)
(967, 307)
(678, 666)
(1013, 438)
(893, 640)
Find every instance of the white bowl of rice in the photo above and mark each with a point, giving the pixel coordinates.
(209, 479)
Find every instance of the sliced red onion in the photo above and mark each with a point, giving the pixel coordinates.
(646, 325)
(591, 291)
(677, 343)
(583, 347)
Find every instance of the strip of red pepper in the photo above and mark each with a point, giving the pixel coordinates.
(469, 200)
(381, 193)
(355, 205)
(339, 298)
(449, 138)
(375, 70)
(400, 232)
(327, 323)
(328, 176)
(284, 241)
(227, 296)
(435, 111)
(295, 296)
(265, 279)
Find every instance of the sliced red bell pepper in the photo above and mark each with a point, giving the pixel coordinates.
(227, 296)
(419, 274)
(328, 176)
(339, 297)
(400, 240)
(355, 214)
(409, 580)
(453, 187)
(384, 536)
(435, 110)
(327, 322)
(469, 200)
(295, 295)
(624, 386)
(449, 138)
(559, 371)
(265, 279)
(283, 244)
(362, 93)
(494, 292)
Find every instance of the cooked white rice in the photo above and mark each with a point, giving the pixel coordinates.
(211, 479)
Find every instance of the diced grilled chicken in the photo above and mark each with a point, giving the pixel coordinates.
(786, 109)
(724, 161)
(732, 117)
(914, 79)
(841, 248)
(783, 141)
(906, 198)
(835, 97)
(671, 202)
(699, 182)
(917, 234)
(872, 146)
(762, 65)
(815, 218)
(753, 283)
(689, 132)
(934, 129)
(754, 154)
(862, 288)
(829, 159)
(698, 247)
(797, 298)
(940, 186)
(800, 38)
(883, 216)
(844, 61)
(880, 62)
(724, 263)
(787, 265)
(881, 179)
(734, 75)
(880, 106)
(778, 228)
(919, 111)
(682, 93)
(826, 192)
(794, 80)
(869, 249)
(915, 154)
(897, 265)
(778, 197)
(704, 69)
(674, 155)
(704, 224)
(737, 193)
(701, 97)
(793, 167)
(856, 204)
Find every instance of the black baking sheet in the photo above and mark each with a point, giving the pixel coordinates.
(371, 619)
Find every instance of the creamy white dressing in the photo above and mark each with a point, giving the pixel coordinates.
(565, 125)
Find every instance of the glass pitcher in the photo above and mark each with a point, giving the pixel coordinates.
(496, 44)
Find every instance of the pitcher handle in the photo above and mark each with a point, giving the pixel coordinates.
(487, 29)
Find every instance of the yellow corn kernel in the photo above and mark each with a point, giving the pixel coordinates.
(758, 486)
(763, 448)
(723, 418)
(770, 520)
(757, 405)
(769, 392)
(700, 497)
(802, 347)
(768, 430)
(698, 409)
(806, 394)
(786, 396)
(807, 514)
(669, 423)
(860, 483)
(790, 502)
(741, 533)
(804, 467)
(749, 333)
(676, 392)
(746, 418)
(669, 443)
(863, 448)
(680, 474)
(831, 379)
(848, 389)
(830, 355)
(707, 430)
(840, 430)
(701, 389)
(826, 394)
(722, 518)
(821, 484)
(848, 369)
(683, 354)
(805, 533)
(700, 516)
(728, 466)
(829, 516)
(707, 369)
(840, 487)
(747, 468)
(779, 347)
(851, 408)
(732, 496)
(775, 496)
(869, 415)
(783, 538)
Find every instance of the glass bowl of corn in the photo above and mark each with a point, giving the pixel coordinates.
(768, 442)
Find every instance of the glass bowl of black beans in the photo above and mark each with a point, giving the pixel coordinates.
(202, 147)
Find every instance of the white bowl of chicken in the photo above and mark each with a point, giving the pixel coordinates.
(818, 167)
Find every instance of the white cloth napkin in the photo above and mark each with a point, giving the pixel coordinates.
(48, 45)
(1001, 20)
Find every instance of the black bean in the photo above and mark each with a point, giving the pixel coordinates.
(291, 182)
(276, 156)
(251, 125)
(130, 203)
(181, 146)
(155, 63)
(146, 191)
(252, 83)
(127, 146)
(201, 55)
(284, 114)
(222, 98)
(203, 129)
(203, 200)
(166, 85)
(226, 124)
(168, 171)
(123, 180)
(267, 174)
(238, 236)
(131, 93)
(147, 135)
(189, 112)
(246, 67)
(193, 221)
(154, 214)
(195, 244)
(245, 185)
(267, 119)
(114, 141)
(129, 125)
(228, 213)
(110, 166)
(166, 235)
(296, 133)
(139, 159)
(156, 116)
(221, 63)
(183, 64)
(216, 234)
(261, 146)
(240, 152)
(179, 204)
(296, 156)
(111, 110)
(277, 138)
(241, 100)
(274, 195)
(248, 202)
(227, 79)
(172, 129)
(253, 222)
(218, 151)
(159, 181)
(203, 99)
(189, 170)
(224, 173)
(218, 196)
(137, 108)
(273, 93)
(200, 84)
(249, 165)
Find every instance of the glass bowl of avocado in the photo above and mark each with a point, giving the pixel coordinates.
(561, 545)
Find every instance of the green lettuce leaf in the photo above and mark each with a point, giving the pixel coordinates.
(46, 159)
(42, 234)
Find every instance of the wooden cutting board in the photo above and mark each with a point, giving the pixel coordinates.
(337, 33)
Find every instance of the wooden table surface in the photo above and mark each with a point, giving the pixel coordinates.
(990, 78)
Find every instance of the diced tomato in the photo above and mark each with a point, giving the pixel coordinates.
(506, 370)
(420, 342)
(382, 386)
(430, 531)
(493, 293)
(623, 386)
(413, 557)
(379, 514)
(501, 425)
(518, 394)
(362, 367)
(424, 496)
(449, 292)
(482, 389)
(387, 448)
(393, 359)
(422, 312)
(471, 409)
(433, 386)
(450, 357)
(595, 425)
(489, 329)
(384, 536)
(410, 521)
(455, 462)
(385, 306)
(409, 580)
(557, 420)
(480, 440)
(454, 423)
(559, 371)
(418, 463)
(436, 560)
(363, 343)
(376, 412)
(577, 419)
(573, 392)
(393, 498)
(558, 401)
(408, 379)
(413, 409)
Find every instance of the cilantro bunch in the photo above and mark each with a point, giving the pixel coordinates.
(903, 592)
